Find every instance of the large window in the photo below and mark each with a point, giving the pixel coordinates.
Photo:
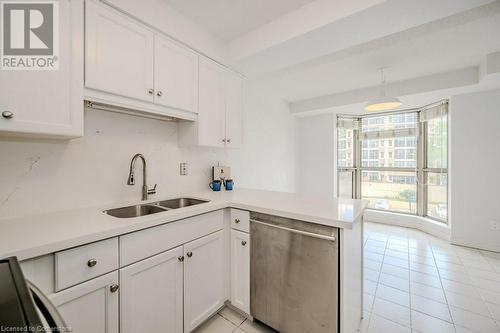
(396, 161)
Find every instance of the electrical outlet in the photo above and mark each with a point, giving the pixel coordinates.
(183, 169)
(495, 225)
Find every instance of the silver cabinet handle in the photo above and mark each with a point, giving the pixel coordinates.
(237, 221)
(181, 258)
(92, 262)
(151, 91)
(7, 115)
(189, 254)
(243, 243)
(114, 288)
(159, 93)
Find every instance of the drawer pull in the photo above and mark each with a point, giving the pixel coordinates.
(237, 221)
(114, 288)
(189, 254)
(243, 243)
(181, 258)
(7, 115)
(92, 262)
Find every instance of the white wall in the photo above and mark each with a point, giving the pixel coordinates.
(43, 176)
(474, 169)
(315, 155)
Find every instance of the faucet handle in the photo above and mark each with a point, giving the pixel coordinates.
(152, 190)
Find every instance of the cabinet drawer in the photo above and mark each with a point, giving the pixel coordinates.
(240, 220)
(85, 262)
(146, 243)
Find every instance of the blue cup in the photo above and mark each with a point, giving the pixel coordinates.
(215, 185)
(229, 184)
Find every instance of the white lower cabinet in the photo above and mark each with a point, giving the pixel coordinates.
(91, 306)
(151, 294)
(203, 279)
(240, 270)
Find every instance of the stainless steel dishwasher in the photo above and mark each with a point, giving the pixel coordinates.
(294, 275)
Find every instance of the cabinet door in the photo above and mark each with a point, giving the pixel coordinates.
(234, 110)
(91, 306)
(240, 270)
(48, 102)
(203, 279)
(151, 294)
(175, 76)
(211, 110)
(118, 53)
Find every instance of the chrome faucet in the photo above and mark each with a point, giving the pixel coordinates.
(131, 178)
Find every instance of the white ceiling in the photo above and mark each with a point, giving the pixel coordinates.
(424, 51)
(228, 19)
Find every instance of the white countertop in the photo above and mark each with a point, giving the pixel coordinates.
(32, 236)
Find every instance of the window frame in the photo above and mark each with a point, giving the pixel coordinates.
(421, 168)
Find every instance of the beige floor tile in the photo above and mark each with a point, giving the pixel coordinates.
(393, 295)
(427, 324)
(430, 307)
(216, 324)
(232, 315)
(427, 279)
(392, 311)
(254, 327)
(465, 302)
(423, 290)
(473, 321)
(394, 281)
(382, 325)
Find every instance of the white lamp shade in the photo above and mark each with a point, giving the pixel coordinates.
(382, 104)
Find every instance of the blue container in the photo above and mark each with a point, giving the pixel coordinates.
(215, 185)
(229, 184)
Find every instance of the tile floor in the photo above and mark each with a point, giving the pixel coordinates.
(414, 283)
(228, 321)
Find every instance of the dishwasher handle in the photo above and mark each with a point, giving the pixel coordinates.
(300, 232)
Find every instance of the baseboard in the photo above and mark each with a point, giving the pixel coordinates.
(431, 227)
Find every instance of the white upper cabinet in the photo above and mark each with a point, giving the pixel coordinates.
(129, 65)
(234, 110)
(175, 76)
(48, 103)
(203, 279)
(211, 122)
(118, 53)
(220, 113)
(151, 294)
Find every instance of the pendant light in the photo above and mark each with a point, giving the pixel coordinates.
(383, 102)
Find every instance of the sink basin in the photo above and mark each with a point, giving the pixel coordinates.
(179, 203)
(135, 211)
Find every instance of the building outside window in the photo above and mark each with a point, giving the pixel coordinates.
(398, 160)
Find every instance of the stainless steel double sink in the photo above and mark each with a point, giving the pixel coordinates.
(153, 207)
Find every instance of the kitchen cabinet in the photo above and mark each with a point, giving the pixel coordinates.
(203, 279)
(175, 76)
(48, 103)
(91, 306)
(240, 270)
(129, 65)
(151, 296)
(220, 113)
(118, 53)
(233, 85)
